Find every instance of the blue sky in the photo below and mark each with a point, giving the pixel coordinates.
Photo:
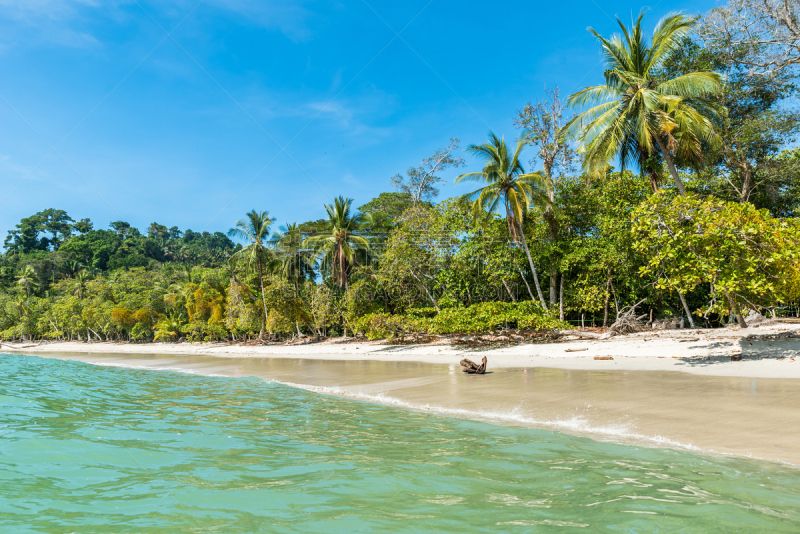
(191, 113)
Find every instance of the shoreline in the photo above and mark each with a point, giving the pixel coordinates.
(733, 416)
(768, 351)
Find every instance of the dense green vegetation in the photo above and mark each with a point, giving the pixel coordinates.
(699, 222)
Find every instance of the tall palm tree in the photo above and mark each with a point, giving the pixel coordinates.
(295, 265)
(24, 311)
(81, 279)
(255, 231)
(27, 279)
(636, 115)
(336, 249)
(507, 182)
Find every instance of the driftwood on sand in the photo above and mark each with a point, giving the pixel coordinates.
(473, 368)
(627, 322)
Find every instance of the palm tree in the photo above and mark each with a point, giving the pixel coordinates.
(24, 310)
(295, 265)
(27, 279)
(169, 327)
(636, 115)
(81, 279)
(73, 267)
(255, 230)
(506, 182)
(337, 248)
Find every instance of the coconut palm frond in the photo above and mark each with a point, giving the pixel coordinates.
(634, 116)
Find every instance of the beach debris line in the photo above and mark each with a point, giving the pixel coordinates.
(468, 366)
(627, 323)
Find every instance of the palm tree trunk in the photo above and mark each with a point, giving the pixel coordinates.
(263, 299)
(653, 180)
(533, 269)
(673, 171)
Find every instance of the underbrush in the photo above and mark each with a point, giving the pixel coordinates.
(481, 318)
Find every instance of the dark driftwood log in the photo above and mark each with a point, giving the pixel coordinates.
(473, 368)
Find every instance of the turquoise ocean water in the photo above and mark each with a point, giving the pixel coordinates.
(101, 449)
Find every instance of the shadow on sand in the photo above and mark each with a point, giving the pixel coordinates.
(777, 346)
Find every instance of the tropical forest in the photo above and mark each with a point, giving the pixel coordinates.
(672, 184)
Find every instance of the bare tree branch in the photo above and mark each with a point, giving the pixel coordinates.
(421, 182)
(762, 34)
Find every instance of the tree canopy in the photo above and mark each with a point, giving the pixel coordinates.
(701, 100)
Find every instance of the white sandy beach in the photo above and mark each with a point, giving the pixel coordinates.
(767, 351)
(676, 388)
(667, 389)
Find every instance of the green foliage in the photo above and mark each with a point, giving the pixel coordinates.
(385, 211)
(287, 310)
(383, 325)
(168, 328)
(401, 264)
(760, 122)
(25, 238)
(637, 116)
(324, 309)
(481, 318)
(748, 257)
(337, 247)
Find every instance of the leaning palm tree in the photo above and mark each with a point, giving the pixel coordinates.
(507, 183)
(255, 231)
(336, 248)
(635, 114)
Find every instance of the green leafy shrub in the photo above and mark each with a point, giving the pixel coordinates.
(481, 318)
(382, 325)
(486, 317)
(421, 312)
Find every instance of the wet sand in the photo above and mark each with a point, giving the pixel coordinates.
(735, 415)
